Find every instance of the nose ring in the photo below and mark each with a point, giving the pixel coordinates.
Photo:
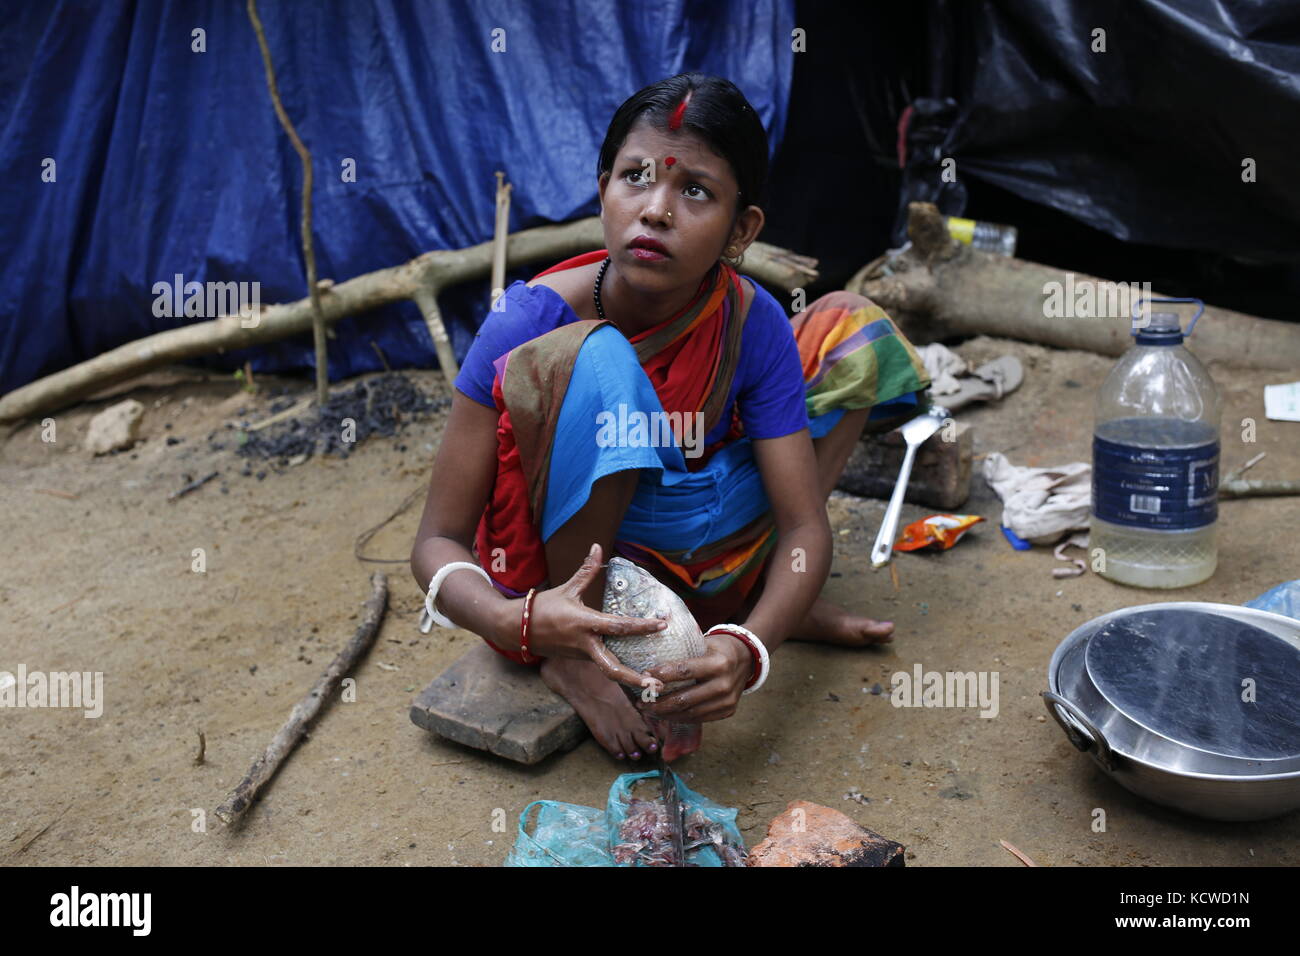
(670, 217)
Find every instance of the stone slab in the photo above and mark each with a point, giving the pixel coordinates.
(490, 703)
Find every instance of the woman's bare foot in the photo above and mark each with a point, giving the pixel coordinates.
(602, 705)
(827, 623)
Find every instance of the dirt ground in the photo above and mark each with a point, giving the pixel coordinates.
(103, 581)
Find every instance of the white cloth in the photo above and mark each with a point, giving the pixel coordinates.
(1041, 504)
(944, 366)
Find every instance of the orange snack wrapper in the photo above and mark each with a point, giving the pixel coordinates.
(936, 532)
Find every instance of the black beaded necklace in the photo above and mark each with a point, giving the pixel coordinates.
(600, 277)
(595, 293)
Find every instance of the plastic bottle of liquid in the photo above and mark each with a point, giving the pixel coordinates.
(989, 236)
(1155, 461)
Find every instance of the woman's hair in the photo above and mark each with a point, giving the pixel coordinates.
(717, 112)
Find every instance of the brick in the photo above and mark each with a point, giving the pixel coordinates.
(940, 474)
(808, 834)
(490, 703)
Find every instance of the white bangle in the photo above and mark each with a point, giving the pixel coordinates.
(431, 615)
(748, 637)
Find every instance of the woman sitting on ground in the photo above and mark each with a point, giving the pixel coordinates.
(528, 487)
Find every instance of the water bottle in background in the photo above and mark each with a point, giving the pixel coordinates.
(1155, 460)
(989, 236)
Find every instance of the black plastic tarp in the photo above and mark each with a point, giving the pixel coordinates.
(1173, 124)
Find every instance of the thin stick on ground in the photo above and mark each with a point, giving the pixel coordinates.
(1238, 472)
(308, 251)
(287, 737)
(186, 489)
(1017, 853)
(289, 412)
(69, 604)
(42, 831)
(58, 494)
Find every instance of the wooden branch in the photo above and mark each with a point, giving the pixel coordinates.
(197, 483)
(427, 299)
(499, 236)
(421, 279)
(940, 288)
(1258, 488)
(308, 251)
(289, 412)
(305, 710)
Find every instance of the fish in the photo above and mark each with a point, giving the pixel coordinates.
(632, 591)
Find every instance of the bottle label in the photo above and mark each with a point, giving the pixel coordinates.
(1170, 489)
(963, 230)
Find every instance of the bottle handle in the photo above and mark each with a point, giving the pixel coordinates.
(1200, 308)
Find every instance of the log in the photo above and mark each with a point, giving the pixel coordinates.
(421, 280)
(287, 737)
(941, 288)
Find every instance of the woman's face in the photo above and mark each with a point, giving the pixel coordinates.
(698, 189)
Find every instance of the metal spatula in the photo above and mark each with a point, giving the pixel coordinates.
(915, 433)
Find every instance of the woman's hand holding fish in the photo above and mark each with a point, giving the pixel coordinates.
(721, 675)
(561, 625)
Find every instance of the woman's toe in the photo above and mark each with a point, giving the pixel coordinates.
(645, 741)
(627, 744)
(879, 632)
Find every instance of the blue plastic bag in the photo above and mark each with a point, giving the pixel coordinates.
(1283, 599)
(565, 834)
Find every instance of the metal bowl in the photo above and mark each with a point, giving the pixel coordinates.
(1192, 705)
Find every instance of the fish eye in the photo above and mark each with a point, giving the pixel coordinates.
(620, 584)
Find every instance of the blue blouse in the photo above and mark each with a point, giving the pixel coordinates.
(768, 389)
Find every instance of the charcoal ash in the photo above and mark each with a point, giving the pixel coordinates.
(382, 405)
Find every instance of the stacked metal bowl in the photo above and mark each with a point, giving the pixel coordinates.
(1192, 705)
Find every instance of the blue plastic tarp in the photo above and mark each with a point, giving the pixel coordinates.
(170, 161)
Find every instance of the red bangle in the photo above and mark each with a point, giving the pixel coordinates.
(758, 661)
(523, 628)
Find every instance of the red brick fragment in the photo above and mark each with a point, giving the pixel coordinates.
(808, 834)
